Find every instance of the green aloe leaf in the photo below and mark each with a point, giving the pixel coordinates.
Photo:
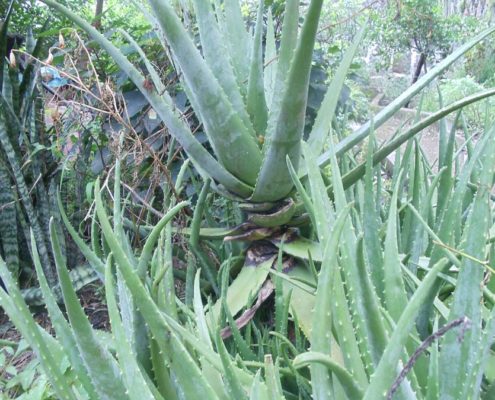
(163, 105)
(256, 101)
(215, 52)
(93, 259)
(234, 387)
(237, 38)
(274, 181)
(270, 61)
(395, 292)
(449, 221)
(351, 387)
(458, 358)
(484, 355)
(363, 300)
(382, 379)
(355, 174)
(150, 243)
(371, 224)
(62, 327)
(19, 313)
(244, 287)
(323, 122)
(322, 318)
(273, 379)
(288, 43)
(102, 367)
(136, 385)
(233, 144)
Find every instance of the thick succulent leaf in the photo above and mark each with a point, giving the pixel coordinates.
(363, 300)
(395, 293)
(19, 313)
(237, 39)
(272, 377)
(201, 324)
(102, 367)
(256, 393)
(322, 318)
(288, 43)
(153, 73)
(484, 355)
(449, 221)
(324, 214)
(137, 386)
(433, 381)
(302, 298)
(3, 39)
(357, 362)
(356, 173)
(270, 61)
(179, 358)
(256, 101)
(233, 385)
(93, 259)
(150, 243)
(371, 225)
(390, 110)
(163, 105)
(302, 248)
(215, 52)
(8, 216)
(323, 121)
(458, 358)
(351, 387)
(159, 322)
(384, 376)
(232, 142)
(274, 181)
(62, 328)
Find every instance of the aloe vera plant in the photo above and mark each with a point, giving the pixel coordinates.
(360, 339)
(353, 298)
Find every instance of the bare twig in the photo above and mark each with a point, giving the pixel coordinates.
(464, 321)
(148, 206)
(349, 18)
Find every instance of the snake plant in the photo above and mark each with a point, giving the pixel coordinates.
(26, 186)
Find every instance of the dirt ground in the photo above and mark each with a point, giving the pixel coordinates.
(92, 302)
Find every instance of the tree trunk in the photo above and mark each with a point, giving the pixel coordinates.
(419, 67)
(417, 71)
(98, 14)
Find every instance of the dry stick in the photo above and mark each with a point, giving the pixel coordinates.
(352, 16)
(464, 321)
(143, 201)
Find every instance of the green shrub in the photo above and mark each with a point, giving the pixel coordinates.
(455, 89)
